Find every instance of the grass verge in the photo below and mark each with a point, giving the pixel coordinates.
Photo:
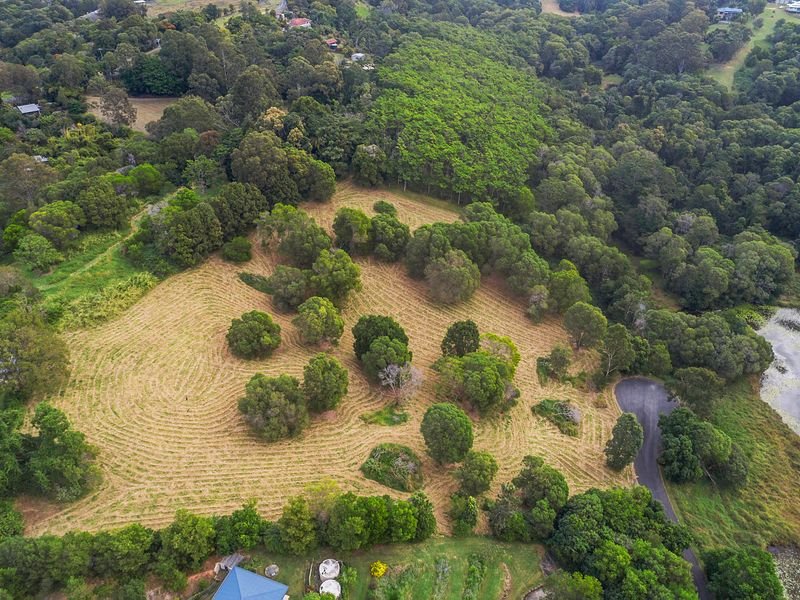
(387, 416)
(766, 510)
(511, 568)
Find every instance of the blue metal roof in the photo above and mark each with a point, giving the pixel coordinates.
(728, 9)
(241, 584)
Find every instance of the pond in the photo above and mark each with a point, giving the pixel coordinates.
(780, 383)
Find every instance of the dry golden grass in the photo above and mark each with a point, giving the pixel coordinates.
(147, 110)
(551, 7)
(156, 391)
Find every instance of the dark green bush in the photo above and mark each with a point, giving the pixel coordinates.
(395, 466)
(238, 250)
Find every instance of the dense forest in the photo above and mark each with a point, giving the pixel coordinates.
(600, 173)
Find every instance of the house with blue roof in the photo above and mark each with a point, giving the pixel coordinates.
(241, 584)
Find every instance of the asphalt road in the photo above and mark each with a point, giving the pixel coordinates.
(648, 399)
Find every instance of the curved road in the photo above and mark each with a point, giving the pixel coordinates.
(648, 399)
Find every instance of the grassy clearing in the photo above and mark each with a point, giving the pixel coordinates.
(94, 284)
(610, 79)
(387, 416)
(510, 568)
(147, 109)
(89, 269)
(97, 307)
(551, 7)
(725, 73)
(766, 510)
(156, 391)
(362, 10)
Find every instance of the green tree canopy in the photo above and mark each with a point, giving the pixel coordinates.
(742, 573)
(319, 321)
(188, 540)
(254, 335)
(274, 406)
(384, 351)
(325, 382)
(448, 432)
(370, 327)
(334, 275)
(625, 443)
(476, 473)
(462, 337)
(297, 527)
(59, 223)
(59, 460)
(237, 206)
(452, 278)
(585, 323)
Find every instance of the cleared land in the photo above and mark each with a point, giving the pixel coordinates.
(550, 7)
(156, 391)
(147, 109)
(725, 72)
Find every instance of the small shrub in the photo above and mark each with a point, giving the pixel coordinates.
(238, 250)
(348, 578)
(378, 569)
(442, 568)
(385, 208)
(562, 414)
(464, 513)
(37, 253)
(172, 577)
(257, 282)
(395, 466)
(476, 571)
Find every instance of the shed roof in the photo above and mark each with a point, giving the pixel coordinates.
(241, 584)
(728, 9)
(27, 109)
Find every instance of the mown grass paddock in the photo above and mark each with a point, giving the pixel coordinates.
(156, 390)
(148, 109)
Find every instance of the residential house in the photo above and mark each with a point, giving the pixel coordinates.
(29, 110)
(300, 22)
(241, 584)
(727, 13)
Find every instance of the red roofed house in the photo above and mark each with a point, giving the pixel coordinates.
(299, 22)
(333, 43)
